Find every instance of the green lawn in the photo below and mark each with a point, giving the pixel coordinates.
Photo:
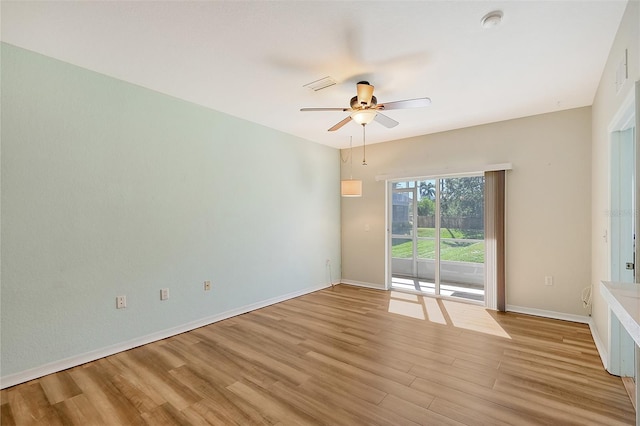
(449, 250)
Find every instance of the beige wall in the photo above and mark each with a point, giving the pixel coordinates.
(605, 106)
(548, 201)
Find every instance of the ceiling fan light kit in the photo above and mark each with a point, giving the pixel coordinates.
(364, 116)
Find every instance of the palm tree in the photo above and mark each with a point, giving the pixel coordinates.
(428, 189)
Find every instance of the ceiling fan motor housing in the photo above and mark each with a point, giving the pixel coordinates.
(356, 105)
(365, 93)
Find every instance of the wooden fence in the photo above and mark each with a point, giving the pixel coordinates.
(452, 222)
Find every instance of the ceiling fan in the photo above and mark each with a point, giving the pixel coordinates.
(365, 108)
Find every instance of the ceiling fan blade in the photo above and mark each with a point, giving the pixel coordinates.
(340, 124)
(409, 103)
(325, 109)
(386, 121)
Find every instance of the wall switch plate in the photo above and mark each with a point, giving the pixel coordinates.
(548, 280)
(121, 302)
(164, 294)
(207, 285)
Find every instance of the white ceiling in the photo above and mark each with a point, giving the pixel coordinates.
(251, 59)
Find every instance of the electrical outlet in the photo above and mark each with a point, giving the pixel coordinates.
(164, 294)
(121, 302)
(548, 280)
(207, 285)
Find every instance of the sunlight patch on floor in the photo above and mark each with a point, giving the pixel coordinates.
(474, 318)
(433, 310)
(446, 312)
(404, 296)
(406, 308)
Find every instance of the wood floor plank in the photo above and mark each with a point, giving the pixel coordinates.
(274, 409)
(132, 383)
(107, 400)
(58, 387)
(243, 349)
(218, 402)
(416, 413)
(150, 369)
(165, 415)
(352, 358)
(29, 403)
(381, 383)
(575, 400)
(468, 413)
(317, 407)
(486, 378)
(371, 413)
(6, 415)
(342, 356)
(72, 414)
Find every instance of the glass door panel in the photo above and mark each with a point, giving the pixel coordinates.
(403, 244)
(462, 237)
(426, 264)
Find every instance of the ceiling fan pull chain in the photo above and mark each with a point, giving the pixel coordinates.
(364, 147)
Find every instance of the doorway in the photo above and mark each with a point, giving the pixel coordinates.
(623, 205)
(622, 229)
(437, 236)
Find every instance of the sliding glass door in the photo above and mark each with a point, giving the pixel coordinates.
(437, 236)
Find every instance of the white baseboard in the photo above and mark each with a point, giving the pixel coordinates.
(549, 314)
(364, 284)
(600, 346)
(63, 364)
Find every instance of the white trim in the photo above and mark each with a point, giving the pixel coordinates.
(364, 284)
(388, 269)
(600, 346)
(549, 314)
(625, 117)
(447, 172)
(73, 361)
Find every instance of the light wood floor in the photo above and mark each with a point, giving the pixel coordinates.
(340, 357)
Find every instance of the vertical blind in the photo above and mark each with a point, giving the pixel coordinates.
(494, 224)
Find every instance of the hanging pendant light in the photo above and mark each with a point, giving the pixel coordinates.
(350, 187)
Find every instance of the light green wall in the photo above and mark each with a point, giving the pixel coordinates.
(112, 189)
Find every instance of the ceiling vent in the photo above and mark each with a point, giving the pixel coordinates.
(323, 83)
